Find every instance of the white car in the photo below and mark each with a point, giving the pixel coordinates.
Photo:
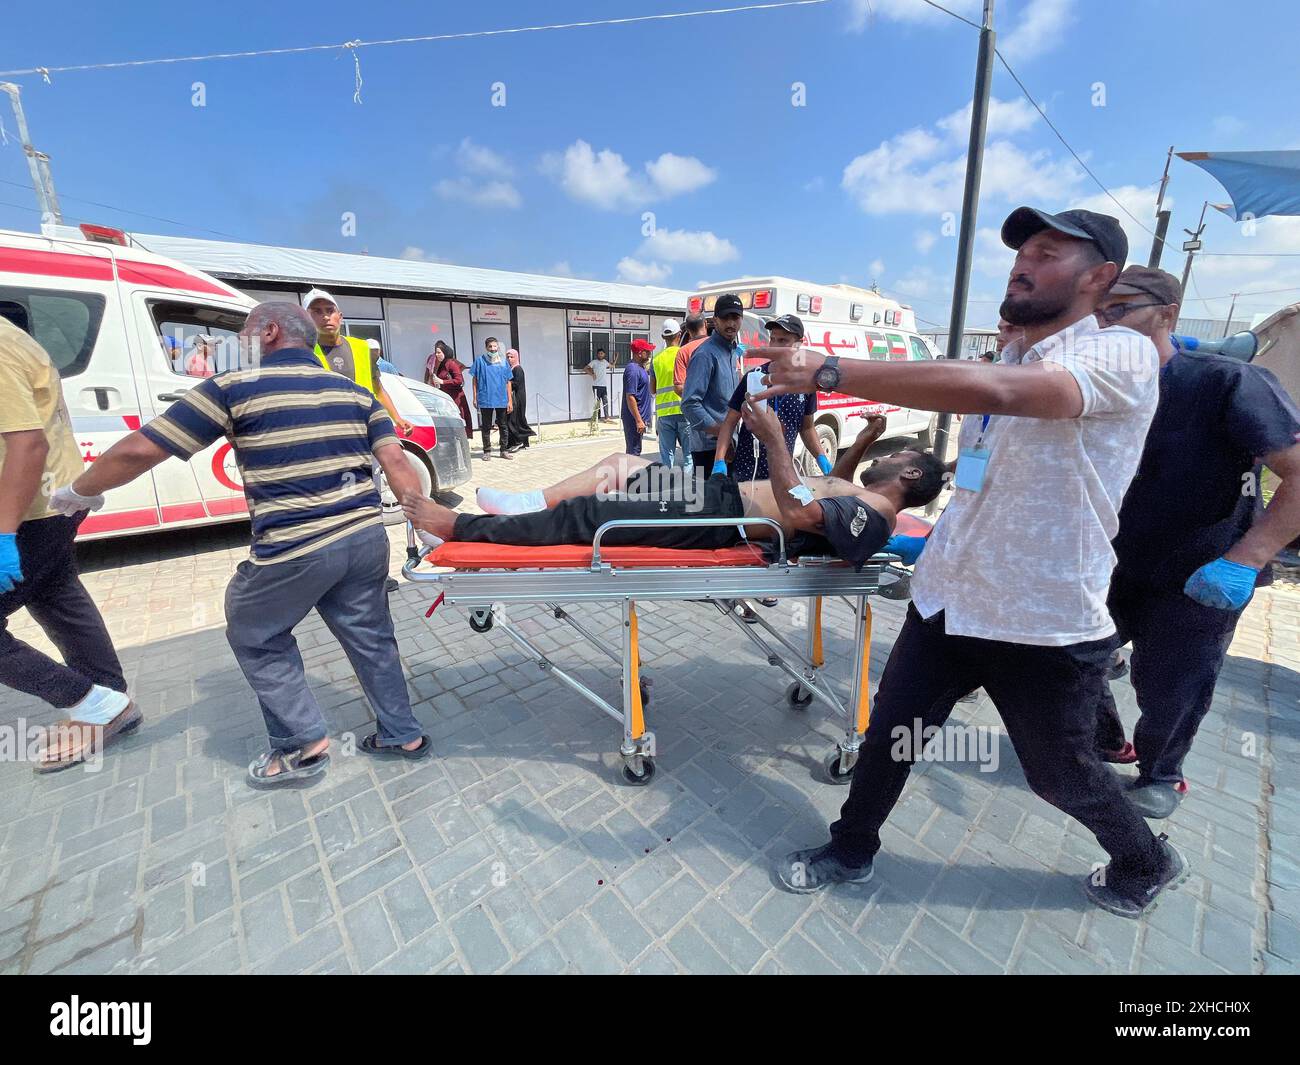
(437, 446)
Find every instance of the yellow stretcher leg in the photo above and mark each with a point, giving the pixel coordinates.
(634, 665)
(818, 658)
(862, 713)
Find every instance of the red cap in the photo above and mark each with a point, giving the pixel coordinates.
(642, 345)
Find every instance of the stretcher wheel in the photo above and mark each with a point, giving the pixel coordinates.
(799, 697)
(480, 620)
(647, 773)
(835, 770)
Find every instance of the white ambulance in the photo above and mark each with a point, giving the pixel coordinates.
(130, 333)
(853, 323)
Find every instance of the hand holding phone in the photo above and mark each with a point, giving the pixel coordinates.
(753, 384)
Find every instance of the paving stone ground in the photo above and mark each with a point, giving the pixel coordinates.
(518, 849)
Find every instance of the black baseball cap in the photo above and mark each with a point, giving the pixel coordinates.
(790, 323)
(728, 303)
(1103, 230)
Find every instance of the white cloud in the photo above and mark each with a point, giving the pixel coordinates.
(864, 12)
(1006, 118)
(560, 269)
(476, 159)
(925, 240)
(605, 180)
(876, 268)
(1140, 202)
(814, 185)
(639, 273)
(1040, 30)
(688, 246)
(412, 252)
(479, 193)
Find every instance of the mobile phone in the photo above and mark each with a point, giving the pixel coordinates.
(754, 383)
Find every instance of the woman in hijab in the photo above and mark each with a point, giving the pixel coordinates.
(443, 371)
(520, 430)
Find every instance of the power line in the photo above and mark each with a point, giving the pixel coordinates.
(355, 45)
(959, 18)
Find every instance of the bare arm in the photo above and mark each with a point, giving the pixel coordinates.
(24, 465)
(1038, 390)
(851, 458)
(635, 412)
(401, 478)
(1280, 522)
(120, 464)
(781, 472)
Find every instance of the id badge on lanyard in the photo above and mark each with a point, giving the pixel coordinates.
(972, 462)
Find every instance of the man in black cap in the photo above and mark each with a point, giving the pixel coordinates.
(1010, 591)
(1193, 542)
(711, 378)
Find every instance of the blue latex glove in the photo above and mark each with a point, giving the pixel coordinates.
(719, 466)
(1222, 584)
(11, 572)
(908, 548)
(825, 464)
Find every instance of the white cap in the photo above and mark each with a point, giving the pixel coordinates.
(671, 327)
(317, 294)
(373, 344)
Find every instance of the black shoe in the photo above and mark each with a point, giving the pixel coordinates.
(391, 585)
(1155, 799)
(1127, 898)
(804, 872)
(1118, 667)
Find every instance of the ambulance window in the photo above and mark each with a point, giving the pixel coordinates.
(65, 324)
(198, 340)
(877, 346)
(919, 350)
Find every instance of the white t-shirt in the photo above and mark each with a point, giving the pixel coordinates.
(599, 367)
(1028, 558)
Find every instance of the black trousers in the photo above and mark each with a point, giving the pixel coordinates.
(1178, 649)
(486, 415)
(655, 493)
(53, 594)
(1046, 698)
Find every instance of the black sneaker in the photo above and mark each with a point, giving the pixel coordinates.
(1128, 898)
(391, 585)
(1155, 798)
(804, 872)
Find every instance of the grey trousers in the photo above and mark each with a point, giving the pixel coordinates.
(345, 583)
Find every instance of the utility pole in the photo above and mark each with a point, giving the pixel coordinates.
(1193, 245)
(1162, 217)
(38, 163)
(1227, 326)
(979, 117)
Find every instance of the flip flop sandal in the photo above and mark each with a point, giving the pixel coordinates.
(371, 746)
(293, 768)
(85, 740)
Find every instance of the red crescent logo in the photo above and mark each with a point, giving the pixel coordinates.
(219, 469)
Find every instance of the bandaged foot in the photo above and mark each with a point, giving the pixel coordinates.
(498, 501)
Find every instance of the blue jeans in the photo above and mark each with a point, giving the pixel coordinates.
(673, 430)
(345, 583)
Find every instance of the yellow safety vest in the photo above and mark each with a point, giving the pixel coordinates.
(360, 363)
(667, 401)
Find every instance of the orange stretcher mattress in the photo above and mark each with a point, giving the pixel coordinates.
(571, 556)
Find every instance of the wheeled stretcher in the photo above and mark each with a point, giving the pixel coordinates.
(487, 578)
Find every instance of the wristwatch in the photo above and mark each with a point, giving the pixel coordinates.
(828, 377)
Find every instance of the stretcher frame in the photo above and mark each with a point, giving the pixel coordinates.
(486, 594)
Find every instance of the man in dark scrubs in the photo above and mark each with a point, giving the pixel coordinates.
(1193, 541)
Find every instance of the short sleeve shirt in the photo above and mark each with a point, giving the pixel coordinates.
(492, 374)
(1028, 559)
(31, 397)
(303, 437)
(1216, 419)
(790, 410)
(600, 368)
(851, 529)
(636, 383)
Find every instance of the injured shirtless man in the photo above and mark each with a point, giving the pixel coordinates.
(819, 515)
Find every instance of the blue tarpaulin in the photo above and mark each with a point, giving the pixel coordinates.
(1260, 183)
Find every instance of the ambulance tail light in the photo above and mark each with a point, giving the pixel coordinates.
(763, 299)
(695, 305)
(816, 306)
(103, 234)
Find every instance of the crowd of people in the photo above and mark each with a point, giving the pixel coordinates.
(1097, 498)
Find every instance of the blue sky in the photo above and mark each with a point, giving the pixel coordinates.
(692, 119)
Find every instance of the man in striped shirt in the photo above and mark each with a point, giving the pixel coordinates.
(303, 437)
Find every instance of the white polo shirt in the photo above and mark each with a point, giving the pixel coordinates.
(1027, 559)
